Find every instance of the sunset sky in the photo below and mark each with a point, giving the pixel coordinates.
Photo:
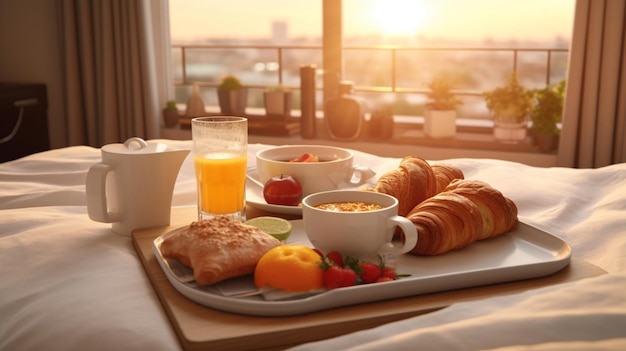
(456, 19)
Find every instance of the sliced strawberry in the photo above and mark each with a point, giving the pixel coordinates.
(305, 157)
(311, 158)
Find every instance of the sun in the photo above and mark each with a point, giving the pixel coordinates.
(398, 17)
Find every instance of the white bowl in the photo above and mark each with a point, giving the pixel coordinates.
(334, 171)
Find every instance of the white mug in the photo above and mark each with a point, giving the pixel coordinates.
(133, 185)
(358, 234)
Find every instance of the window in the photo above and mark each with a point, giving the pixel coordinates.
(246, 38)
(477, 42)
(391, 48)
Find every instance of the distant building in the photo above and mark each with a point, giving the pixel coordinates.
(279, 32)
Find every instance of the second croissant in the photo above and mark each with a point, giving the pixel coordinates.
(464, 212)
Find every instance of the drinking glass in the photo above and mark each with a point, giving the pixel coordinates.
(220, 157)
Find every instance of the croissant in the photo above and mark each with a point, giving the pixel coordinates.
(464, 212)
(445, 173)
(415, 181)
(499, 213)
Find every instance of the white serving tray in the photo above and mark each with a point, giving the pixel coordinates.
(526, 253)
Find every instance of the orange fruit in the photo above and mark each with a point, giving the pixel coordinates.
(292, 268)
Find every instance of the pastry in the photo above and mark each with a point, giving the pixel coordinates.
(445, 174)
(448, 211)
(464, 212)
(218, 248)
(498, 212)
(415, 180)
(411, 183)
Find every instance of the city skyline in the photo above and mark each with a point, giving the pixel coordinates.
(450, 19)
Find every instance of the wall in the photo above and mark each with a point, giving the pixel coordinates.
(30, 53)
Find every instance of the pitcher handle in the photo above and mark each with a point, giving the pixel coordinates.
(96, 194)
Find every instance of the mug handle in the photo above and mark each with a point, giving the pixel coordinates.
(360, 175)
(410, 236)
(96, 194)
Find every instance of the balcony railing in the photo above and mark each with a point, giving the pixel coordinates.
(285, 59)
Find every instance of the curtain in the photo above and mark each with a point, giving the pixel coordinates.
(594, 116)
(116, 67)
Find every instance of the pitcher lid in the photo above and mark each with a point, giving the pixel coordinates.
(134, 146)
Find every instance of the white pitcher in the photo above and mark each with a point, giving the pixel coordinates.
(133, 185)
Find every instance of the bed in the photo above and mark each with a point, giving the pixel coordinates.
(71, 283)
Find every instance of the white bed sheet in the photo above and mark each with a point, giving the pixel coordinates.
(71, 283)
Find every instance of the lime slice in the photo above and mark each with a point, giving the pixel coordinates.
(274, 226)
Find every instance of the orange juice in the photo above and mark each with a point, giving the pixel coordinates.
(221, 182)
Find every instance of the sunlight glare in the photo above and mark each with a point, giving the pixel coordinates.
(398, 17)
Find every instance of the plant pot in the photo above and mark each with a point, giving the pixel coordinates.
(380, 125)
(277, 103)
(170, 117)
(509, 132)
(545, 141)
(233, 102)
(440, 123)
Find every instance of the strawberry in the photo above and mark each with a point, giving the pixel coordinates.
(389, 273)
(338, 277)
(336, 257)
(352, 263)
(370, 272)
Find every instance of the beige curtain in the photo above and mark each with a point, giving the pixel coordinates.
(594, 117)
(116, 68)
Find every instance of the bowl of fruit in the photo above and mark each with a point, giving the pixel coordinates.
(283, 170)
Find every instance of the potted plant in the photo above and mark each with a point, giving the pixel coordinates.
(278, 100)
(232, 96)
(440, 114)
(170, 114)
(510, 106)
(546, 114)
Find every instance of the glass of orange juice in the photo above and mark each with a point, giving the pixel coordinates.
(220, 157)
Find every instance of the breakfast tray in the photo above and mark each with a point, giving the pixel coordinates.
(201, 327)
